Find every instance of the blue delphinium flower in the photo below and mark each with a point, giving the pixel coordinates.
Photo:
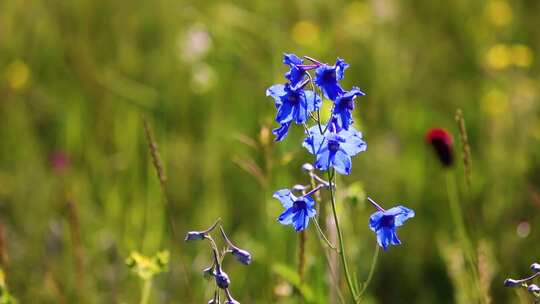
(296, 74)
(343, 107)
(327, 77)
(384, 224)
(293, 104)
(298, 210)
(335, 148)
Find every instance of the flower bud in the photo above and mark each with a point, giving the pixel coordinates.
(194, 236)
(511, 282)
(535, 267)
(442, 142)
(241, 255)
(308, 167)
(231, 301)
(533, 288)
(222, 280)
(208, 272)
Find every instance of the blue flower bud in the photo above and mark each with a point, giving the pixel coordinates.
(241, 255)
(232, 301)
(195, 236)
(208, 272)
(535, 267)
(511, 282)
(222, 280)
(533, 288)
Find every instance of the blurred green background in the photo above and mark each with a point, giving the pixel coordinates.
(78, 191)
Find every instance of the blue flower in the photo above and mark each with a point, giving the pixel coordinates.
(296, 74)
(327, 77)
(384, 224)
(293, 104)
(298, 210)
(334, 149)
(343, 107)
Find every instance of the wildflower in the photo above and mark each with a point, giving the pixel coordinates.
(442, 142)
(298, 209)
(327, 77)
(384, 223)
(334, 149)
(296, 73)
(535, 267)
(293, 104)
(231, 301)
(222, 279)
(344, 105)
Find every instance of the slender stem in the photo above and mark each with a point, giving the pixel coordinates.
(147, 288)
(331, 177)
(323, 236)
(457, 215)
(313, 60)
(371, 271)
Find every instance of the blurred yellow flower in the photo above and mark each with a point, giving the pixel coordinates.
(17, 74)
(305, 33)
(522, 56)
(499, 13)
(495, 103)
(498, 57)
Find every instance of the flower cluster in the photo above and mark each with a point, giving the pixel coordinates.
(533, 289)
(215, 271)
(333, 143)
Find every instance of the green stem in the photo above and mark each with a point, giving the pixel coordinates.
(340, 237)
(371, 271)
(457, 216)
(147, 288)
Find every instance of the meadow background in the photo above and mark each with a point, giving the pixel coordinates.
(78, 191)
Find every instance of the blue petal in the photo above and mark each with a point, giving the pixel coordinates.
(323, 160)
(300, 220)
(314, 140)
(276, 91)
(290, 58)
(285, 113)
(385, 237)
(374, 220)
(342, 162)
(300, 111)
(282, 131)
(314, 102)
(340, 67)
(353, 142)
(401, 214)
(286, 218)
(285, 197)
(332, 90)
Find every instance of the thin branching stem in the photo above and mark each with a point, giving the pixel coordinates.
(331, 176)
